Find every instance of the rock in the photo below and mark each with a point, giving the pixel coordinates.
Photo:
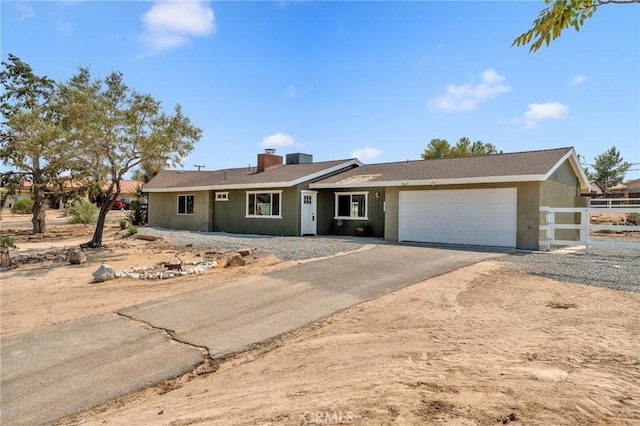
(236, 260)
(104, 273)
(244, 252)
(77, 257)
(147, 237)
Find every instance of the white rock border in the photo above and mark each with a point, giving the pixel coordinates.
(198, 267)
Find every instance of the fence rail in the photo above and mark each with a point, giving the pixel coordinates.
(584, 226)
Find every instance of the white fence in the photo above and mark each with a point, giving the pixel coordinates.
(584, 226)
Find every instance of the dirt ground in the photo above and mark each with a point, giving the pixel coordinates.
(481, 345)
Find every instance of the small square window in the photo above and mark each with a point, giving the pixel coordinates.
(222, 196)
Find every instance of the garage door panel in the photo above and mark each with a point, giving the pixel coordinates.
(473, 216)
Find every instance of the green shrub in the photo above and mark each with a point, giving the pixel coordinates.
(7, 243)
(22, 206)
(82, 211)
(138, 213)
(133, 230)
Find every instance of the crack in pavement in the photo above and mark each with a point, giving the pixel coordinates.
(207, 366)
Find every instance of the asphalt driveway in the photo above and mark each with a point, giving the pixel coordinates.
(73, 366)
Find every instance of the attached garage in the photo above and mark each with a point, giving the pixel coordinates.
(460, 216)
(485, 200)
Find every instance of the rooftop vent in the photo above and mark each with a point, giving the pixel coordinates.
(299, 158)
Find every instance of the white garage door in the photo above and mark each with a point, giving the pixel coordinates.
(459, 216)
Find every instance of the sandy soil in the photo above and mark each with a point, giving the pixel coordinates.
(481, 345)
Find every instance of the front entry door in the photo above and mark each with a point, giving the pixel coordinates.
(309, 224)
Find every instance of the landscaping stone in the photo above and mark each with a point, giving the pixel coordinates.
(104, 273)
(77, 257)
(236, 260)
(244, 252)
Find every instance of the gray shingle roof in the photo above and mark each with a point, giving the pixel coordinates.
(285, 175)
(518, 166)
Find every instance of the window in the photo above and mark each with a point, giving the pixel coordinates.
(261, 204)
(186, 203)
(222, 196)
(351, 205)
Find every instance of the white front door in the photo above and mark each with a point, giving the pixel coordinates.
(309, 212)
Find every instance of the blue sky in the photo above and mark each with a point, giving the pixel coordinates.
(374, 80)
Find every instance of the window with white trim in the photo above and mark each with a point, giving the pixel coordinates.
(351, 205)
(186, 204)
(264, 204)
(222, 196)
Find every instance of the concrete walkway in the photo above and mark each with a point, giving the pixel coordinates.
(73, 366)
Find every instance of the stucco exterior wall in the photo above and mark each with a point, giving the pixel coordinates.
(327, 224)
(163, 211)
(562, 189)
(527, 209)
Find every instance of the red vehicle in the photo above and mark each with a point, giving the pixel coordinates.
(119, 205)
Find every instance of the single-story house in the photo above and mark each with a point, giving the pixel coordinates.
(272, 198)
(488, 200)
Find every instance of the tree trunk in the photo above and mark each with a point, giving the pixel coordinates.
(96, 241)
(39, 212)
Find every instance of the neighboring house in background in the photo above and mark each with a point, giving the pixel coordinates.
(634, 189)
(128, 190)
(55, 197)
(491, 200)
(272, 198)
(597, 191)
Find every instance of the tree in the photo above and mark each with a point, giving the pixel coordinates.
(437, 148)
(115, 129)
(30, 136)
(559, 16)
(440, 148)
(610, 167)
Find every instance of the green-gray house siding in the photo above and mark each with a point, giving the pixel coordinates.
(328, 224)
(231, 215)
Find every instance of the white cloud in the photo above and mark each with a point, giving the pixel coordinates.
(169, 24)
(467, 96)
(578, 79)
(291, 92)
(277, 140)
(366, 154)
(25, 10)
(547, 111)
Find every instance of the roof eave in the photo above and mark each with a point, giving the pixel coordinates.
(262, 185)
(574, 161)
(431, 182)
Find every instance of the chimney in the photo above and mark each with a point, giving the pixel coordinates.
(268, 160)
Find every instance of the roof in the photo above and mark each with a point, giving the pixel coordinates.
(633, 185)
(509, 167)
(245, 178)
(126, 186)
(621, 187)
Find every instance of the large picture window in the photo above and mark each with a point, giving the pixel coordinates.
(186, 203)
(261, 204)
(351, 205)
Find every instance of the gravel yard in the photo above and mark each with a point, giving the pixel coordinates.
(617, 269)
(286, 248)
